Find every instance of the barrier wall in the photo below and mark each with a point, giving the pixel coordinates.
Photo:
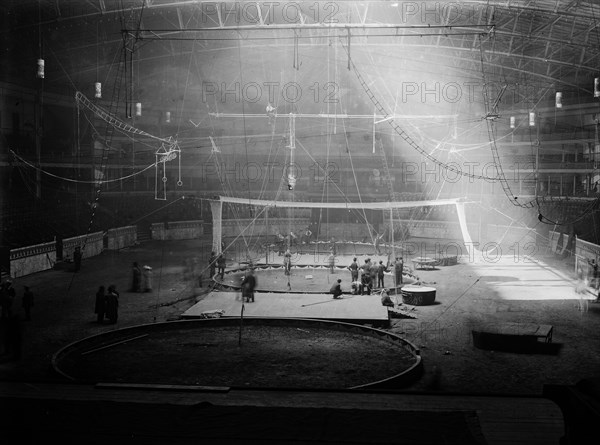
(32, 259)
(448, 230)
(177, 230)
(94, 244)
(121, 237)
(347, 231)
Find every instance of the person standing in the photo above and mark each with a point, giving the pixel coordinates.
(136, 278)
(100, 305)
(287, 261)
(331, 262)
(293, 239)
(77, 258)
(333, 246)
(380, 274)
(307, 236)
(398, 269)
(248, 285)
(378, 243)
(112, 304)
(366, 283)
(364, 269)
(353, 267)
(221, 264)
(27, 302)
(373, 271)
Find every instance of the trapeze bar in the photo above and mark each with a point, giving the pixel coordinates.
(344, 116)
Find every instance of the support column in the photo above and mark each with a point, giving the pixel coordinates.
(216, 208)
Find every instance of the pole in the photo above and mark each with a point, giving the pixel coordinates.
(392, 241)
(267, 235)
(537, 159)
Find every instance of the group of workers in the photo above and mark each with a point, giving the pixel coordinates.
(364, 278)
(372, 275)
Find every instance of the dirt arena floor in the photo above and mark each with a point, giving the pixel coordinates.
(470, 294)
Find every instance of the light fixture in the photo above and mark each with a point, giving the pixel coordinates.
(40, 68)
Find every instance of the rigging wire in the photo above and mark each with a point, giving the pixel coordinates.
(403, 134)
(79, 181)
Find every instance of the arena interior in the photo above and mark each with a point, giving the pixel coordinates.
(223, 164)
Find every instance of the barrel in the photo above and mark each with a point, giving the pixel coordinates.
(418, 295)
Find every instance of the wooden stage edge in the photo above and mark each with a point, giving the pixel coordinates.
(357, 309)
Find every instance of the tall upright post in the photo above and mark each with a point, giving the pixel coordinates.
(392, 241)
(216, 208)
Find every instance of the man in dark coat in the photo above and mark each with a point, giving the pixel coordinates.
(137, 278)
(380, 270)
(353, 267)
(27, 302)
(398, 269)
(221, 264)
(77, 258)
(248, 286)
(112, 304)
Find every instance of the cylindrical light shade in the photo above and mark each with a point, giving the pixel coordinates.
(40, 68)
(291, 182)
(512, 122)
(597, 87)
(97, 90)
(168, 117)
(138, 109)
(531, 119)
(558, 99)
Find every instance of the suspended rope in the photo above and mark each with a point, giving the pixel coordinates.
(79, 181)
(389, 119)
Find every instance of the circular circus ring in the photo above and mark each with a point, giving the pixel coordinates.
(278, 353)
(271, 278)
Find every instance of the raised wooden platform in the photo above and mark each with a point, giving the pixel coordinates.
(361, 309)
(512, 336)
